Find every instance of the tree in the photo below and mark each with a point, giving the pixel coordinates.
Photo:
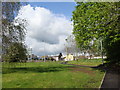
(98, 20)
(71, 44)
(12, 33)
(16, 53)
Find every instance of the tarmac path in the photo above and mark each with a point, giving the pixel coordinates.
(111, 80)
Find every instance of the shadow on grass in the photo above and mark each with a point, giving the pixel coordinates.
(109, 67)
(99, 67)
(35, 69)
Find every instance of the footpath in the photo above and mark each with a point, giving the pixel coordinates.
(111, 80)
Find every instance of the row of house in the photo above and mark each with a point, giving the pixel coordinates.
(68, 57)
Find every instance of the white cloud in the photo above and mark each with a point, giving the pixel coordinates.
(47, 26)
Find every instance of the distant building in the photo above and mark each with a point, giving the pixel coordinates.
(56, 58)
(69, 57)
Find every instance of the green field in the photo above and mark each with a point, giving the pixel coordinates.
(50, 75)
(88, 62)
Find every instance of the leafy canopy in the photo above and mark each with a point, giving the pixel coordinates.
(97, 20)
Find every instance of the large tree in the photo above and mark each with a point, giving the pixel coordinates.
(13, 30)
(98, 20)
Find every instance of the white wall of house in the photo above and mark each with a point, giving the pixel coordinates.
(55, 57)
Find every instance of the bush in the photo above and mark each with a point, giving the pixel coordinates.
(15, 53)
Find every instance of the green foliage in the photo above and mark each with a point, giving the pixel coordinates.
(12, 35)
(16, 53)
(98, 20)
(112, 49)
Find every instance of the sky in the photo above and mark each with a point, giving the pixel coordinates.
(64, 8)
(49, 24)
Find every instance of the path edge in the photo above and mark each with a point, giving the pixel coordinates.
(102, 79)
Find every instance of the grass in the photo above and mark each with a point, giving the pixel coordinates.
(50, 75)
(89, 62)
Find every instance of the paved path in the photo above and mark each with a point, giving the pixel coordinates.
(111, 80)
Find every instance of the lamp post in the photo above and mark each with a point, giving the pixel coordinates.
(101, 51)
(66, 48)
(44, 49)
(31, 53)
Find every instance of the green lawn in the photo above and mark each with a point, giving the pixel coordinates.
(88, 62)
(50, 75)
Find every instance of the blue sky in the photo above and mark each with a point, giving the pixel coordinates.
(64, 8)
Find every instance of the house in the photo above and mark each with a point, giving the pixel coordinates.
(69, 57)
